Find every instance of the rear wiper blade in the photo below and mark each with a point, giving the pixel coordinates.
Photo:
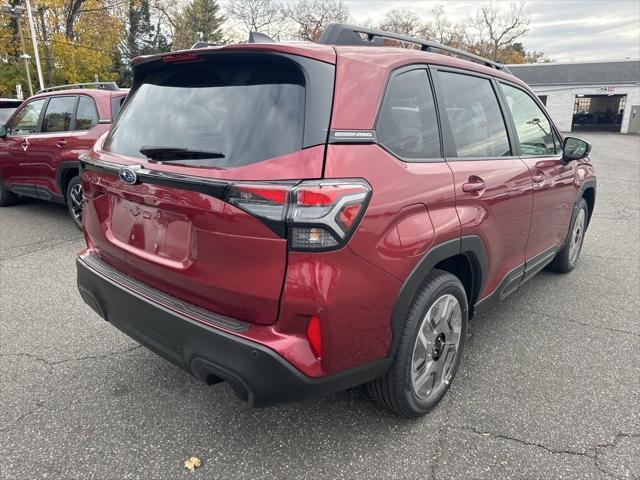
(165, 154)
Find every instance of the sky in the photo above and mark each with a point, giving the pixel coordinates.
(565, 30)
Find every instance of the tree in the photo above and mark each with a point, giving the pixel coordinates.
(402, 21)
(312, 16)
(265, 16)
(405, 22)
(200, 20)
(499, 29)
(446, 32)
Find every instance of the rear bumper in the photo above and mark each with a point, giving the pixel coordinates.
(190, 338)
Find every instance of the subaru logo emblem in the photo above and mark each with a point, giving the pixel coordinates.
(128, 175)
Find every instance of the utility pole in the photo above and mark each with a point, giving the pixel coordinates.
(45, 41)
(17, 12)
(24, 55)
(35, 44)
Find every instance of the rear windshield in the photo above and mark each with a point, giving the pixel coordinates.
(243, 109)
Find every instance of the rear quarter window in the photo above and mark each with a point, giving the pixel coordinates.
(407, 125)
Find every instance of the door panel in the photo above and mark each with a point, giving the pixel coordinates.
(14, 166)
(55, 137)
(553, 179)
(493, 188)
(500, 213)
(554, 196)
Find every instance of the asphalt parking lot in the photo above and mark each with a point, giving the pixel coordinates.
(549, 385)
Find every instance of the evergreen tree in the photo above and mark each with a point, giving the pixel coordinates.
(200, 20)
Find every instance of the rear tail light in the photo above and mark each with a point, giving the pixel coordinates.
(315, 215)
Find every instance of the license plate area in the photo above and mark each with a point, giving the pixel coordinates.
(153, 233)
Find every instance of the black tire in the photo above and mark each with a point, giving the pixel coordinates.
(564, 261)
(7, 197)
(395, 390)
(72, 200)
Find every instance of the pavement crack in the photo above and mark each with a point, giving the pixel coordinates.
(45, 245)
(592, 453)
(27, 355)
(604, 446)
(74, 359)
(437, 448)
(584, 324)
(524, 442)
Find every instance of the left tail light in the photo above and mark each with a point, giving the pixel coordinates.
(314, 215)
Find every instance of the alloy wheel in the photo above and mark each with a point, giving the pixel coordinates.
(436, 346)
(76, 201)
(577, 236)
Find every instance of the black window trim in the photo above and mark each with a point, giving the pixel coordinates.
(540, 105)
(75, 113)
(451, 151)
(38, 122)
(72, 125)
(395, 73)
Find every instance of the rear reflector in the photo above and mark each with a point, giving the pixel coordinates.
(314, 335)
(315, 215)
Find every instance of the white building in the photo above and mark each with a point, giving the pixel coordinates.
(594, 96)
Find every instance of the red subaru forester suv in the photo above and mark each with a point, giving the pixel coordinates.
(297, 219)
(41, 142)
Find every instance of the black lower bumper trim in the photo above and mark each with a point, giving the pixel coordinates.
(256, 373)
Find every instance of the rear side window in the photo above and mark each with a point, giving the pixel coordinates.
(240, 110)
(26, 120)
(474, 116)
(408, 126)
(535, 134)
(59, 114)
(86, 115)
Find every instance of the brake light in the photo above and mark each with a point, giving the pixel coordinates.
(320, 212)
(263, 200)
(314, 214)
(181, 57)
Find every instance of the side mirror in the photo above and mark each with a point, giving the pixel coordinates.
(575, 149)
(3, 131)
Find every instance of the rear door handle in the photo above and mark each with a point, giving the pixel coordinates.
(61, 143)
(538, 178)
(475, 184)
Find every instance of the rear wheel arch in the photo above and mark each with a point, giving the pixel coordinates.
(66, 171)
(464, 257)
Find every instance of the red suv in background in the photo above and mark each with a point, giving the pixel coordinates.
(42, 140)
(303, 218)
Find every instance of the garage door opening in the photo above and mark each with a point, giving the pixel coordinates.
(598, 112)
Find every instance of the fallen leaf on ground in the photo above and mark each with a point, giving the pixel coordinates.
(192, 463)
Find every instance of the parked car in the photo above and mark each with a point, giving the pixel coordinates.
(7, 107)
(304, 218)
(41, 142)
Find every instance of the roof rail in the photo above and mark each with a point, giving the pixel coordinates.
(341, 34)
(96, 85)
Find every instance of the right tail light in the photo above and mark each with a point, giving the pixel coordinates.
(318, 214)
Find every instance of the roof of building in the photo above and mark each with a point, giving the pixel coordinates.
(583, 73)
